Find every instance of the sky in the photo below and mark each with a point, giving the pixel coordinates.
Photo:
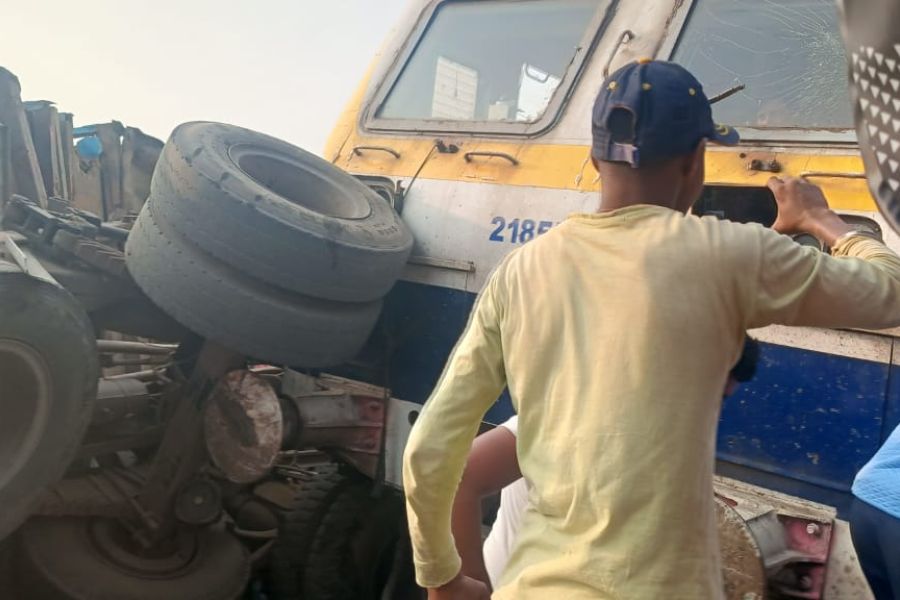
(283, 67)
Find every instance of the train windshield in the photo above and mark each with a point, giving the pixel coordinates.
(490, 60)
(789, 53)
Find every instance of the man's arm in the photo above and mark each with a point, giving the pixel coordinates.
(858, 286)
(442, 436)
(492, 465)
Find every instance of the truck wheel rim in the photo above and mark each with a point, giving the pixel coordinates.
(25, 388)
(297, 184)
(164, 560)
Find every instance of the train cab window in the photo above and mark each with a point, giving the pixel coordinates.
(757, 205)
(788, 53)
(490, 61)
(739, 204)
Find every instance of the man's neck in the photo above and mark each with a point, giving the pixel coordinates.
(625, 196)
(623, 187)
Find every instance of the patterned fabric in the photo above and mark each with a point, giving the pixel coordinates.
(878, 483)
(871, 37)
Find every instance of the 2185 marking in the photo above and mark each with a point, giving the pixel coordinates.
(518, 231)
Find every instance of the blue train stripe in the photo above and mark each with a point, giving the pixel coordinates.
(805, 425)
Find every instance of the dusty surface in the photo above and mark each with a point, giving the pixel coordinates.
(243, 427)
(844, 579)
(742, 567)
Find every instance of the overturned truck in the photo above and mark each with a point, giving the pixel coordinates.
(154, 445)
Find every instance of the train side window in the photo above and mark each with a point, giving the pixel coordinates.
(488, 66)
(757, 205)
(739, 204)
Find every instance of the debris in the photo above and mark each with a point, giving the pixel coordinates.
(26, 172)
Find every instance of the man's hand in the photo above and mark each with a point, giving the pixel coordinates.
(802, 208)
(460, 588)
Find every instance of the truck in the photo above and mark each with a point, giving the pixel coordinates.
(280, 319)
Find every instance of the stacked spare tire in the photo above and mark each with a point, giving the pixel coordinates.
(265, 248)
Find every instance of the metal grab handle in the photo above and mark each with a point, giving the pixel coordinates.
(512, 160)
(835, 174)
(626, 37)
(358, 150)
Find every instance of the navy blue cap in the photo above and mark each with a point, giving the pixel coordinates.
(650, 110)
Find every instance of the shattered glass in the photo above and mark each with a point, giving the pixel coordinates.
(788, 53)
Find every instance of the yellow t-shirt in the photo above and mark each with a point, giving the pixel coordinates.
(614, 333)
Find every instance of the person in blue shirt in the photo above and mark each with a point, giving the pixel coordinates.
(875, 519)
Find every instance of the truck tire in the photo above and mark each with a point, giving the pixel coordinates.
(48, 382)
(345, 546)
(272, 210)
(220, 303)
(59, 559)
(290, 553)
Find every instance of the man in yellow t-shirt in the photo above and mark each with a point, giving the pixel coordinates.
(614, 333)
(493, 467)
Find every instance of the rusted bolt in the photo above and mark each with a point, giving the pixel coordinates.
(813, 529)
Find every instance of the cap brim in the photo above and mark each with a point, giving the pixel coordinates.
(724, 135)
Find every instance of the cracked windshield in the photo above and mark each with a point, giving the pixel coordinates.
(788, 53)
(490, 61)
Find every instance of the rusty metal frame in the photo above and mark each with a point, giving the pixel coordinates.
(182, 452)
(349, 425)
(793, 536)
(360, 423)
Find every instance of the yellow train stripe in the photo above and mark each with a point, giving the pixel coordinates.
(567, 167)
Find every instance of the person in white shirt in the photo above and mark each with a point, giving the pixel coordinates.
(492, 466)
